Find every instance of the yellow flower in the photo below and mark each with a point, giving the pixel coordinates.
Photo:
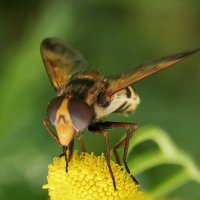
(88, 178)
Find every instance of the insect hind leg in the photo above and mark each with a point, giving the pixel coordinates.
(124, 158)
(130, 129)
(103, 132)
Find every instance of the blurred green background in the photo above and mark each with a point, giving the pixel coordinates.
(113, 36)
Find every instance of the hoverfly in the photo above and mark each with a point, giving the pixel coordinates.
(84, 98)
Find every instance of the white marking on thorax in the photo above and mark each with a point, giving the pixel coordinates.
(117, 101)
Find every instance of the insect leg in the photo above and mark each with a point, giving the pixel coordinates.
(108, 157)
(46, 123)
(130, 127)
(116, 147)
(64, 148)
(124, 158)
(71, 147)
(105, 134)
(81, 144)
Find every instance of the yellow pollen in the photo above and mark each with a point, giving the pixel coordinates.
(88, 178)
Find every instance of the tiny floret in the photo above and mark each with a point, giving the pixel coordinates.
(88, 178)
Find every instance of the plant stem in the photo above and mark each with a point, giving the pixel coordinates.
(171, 184)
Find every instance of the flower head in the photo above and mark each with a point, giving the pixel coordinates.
(88, 178)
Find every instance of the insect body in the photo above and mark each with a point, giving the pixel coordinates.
(85, 97)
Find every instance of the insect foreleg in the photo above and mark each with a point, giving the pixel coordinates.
(64, 148)
(46, 123)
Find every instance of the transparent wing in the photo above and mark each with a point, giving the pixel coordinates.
(60, 60)
(145, 70)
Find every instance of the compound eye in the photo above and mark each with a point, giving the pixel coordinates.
(80, 113)
(53, 108)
